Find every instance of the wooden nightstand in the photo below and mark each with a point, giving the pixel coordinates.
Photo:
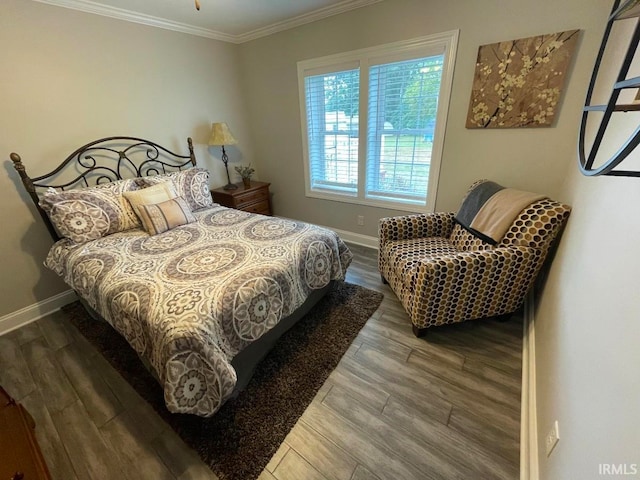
(254, 199)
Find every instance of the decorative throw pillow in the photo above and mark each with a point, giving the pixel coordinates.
(90, 213)
(191, 184)
(160, 217)
(161, 192)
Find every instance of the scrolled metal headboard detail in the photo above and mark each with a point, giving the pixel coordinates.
(104, 160)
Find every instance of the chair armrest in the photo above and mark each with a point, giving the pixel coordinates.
(492, 262)
(438, 224)
(477, 284)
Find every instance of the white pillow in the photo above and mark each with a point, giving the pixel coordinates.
(158, 193)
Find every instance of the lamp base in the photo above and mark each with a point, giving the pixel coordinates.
(230, 186)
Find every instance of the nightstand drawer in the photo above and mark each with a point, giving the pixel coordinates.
(254, 198)
(260, 207)
(244, 199)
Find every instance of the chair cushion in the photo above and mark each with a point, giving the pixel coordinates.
(404, 255)
(465, 241)
(537, 225)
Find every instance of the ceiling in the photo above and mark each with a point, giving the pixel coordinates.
(235, 21)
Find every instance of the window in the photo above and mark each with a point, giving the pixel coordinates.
(399, 93)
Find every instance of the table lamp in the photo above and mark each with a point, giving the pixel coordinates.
(221, 135)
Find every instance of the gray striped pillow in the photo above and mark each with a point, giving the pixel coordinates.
(160, 217)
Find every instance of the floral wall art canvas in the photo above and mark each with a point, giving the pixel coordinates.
(518, 83)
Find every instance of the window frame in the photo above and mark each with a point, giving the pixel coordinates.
(444, 43)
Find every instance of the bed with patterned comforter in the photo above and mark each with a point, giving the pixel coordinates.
(188, 300)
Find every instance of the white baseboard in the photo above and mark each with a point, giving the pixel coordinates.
(357, 238)
(528, 417)
(26, 315)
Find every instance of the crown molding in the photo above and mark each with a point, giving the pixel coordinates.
(129, 16)
(303, 19)
(135, 17)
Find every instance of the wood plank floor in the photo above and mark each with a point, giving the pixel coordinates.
(442, 407)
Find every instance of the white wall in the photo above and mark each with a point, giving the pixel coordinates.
(531, 159)
(67, 78)
(587, 330)
(587, 324)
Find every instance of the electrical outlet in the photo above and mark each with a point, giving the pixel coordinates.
(361, 220)
(552, 438)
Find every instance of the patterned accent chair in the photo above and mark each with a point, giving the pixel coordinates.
(444, 274)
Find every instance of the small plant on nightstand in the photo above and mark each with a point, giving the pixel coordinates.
(245, 172)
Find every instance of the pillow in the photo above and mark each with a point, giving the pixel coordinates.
(191, 184)
(90, 213)
(161, 192)
(160, 217)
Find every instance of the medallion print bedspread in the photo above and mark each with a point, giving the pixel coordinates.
(188, 300)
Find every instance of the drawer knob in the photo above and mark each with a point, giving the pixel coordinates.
(17, 476)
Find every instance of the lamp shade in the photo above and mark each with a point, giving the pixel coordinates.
(221, 135)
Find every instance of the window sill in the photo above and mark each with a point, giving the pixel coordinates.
(403, 206)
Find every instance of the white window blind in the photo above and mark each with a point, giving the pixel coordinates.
(398, 93)
(332, 126)
(403, 103)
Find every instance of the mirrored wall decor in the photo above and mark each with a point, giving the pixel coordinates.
(610, 126)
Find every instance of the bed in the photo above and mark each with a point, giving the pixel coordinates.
(200, 291)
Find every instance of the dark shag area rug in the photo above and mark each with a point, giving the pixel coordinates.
(240, 439)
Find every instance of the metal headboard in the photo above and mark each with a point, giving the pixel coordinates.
(101, 161)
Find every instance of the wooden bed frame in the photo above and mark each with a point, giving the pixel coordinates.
(116, 158)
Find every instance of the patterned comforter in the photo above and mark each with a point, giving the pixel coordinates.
(188, 300)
